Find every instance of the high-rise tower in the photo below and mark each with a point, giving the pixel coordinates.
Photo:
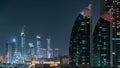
(102, 41)
(32, 51)
(115, 6)
(16, 54)
(80, 44)
(8, 57)
(48, 48)
(23, 46)
(56, 52)
(38, 46)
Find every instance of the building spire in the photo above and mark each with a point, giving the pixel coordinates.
(108, 15)
(23, 31)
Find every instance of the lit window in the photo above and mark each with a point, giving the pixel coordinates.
(83, 41)
(104, 48)
(99, 34)
(100, 27)
(83, 63)
(103, 54)
(83, 29)
(118, 33)
(83, 56)
(104, 29)
(83, 59)
(82, 23)
(83, 47)
(104, 43)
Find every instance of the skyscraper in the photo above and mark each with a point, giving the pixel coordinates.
(56, 52)
(32, 51)
(79, 50)
(23, 46)
(101, 42)
(6, 52)
(48, 48)
(38, 46)
(43, 53)
(16, 54)
(115, 6)
(14, 50)
(8, 57)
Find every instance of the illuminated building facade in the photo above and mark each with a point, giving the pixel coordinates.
(48, 48)
(115, 6)
(79, 50)
(8, 57)
(38, 46)
(14, 49)
(101, 43)
(56, 52)
(13, 56)
(42, 53)
(23, 46)
(32, 51)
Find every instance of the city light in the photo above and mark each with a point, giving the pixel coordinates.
(31, 45)
(13, 40)
(38, 36)
(94, 38)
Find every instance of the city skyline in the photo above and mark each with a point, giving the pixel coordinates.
(80, 33)
(47, 18)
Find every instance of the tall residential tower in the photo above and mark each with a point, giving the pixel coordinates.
(80, 44)
(102, 41)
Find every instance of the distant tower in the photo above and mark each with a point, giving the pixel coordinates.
(56, 52)
(23, 47)
(38, 45)
(6, 52)
(51, 53)
(42, 53)
(48, 48)
(15, 44)
(11, 51)
(16, 55)
(8, 57)
(32, 50)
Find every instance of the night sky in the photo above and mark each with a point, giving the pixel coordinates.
(48, 18)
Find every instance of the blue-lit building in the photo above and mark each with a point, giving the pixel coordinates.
(79, 50)
(8, 56)
(23, 48)
(38, 46)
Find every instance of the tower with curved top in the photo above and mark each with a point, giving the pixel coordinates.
(79, 50)
(101, 43)
(102, 39)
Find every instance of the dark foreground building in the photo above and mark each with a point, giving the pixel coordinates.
(79, 50)
(101, 43)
